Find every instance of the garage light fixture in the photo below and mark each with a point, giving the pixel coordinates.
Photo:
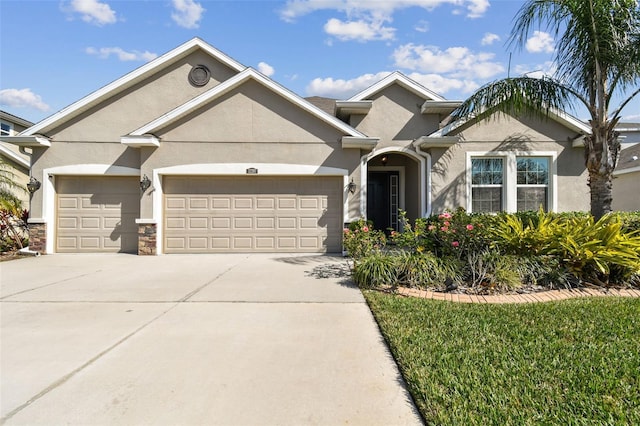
(145, 183)
(352, 187)
(33, 185)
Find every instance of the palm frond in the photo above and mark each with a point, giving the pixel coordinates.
(536, 97)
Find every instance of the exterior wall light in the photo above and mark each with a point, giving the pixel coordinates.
(145, 183)
(352, 187)
(384, 160)
(33, 185)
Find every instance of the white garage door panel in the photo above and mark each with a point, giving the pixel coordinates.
(252, 213)
(97, 214)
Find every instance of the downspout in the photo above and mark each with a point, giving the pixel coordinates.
(427, 192)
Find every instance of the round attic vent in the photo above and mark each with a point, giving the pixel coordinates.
(199, 75)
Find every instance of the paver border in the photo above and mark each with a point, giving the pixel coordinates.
(543, 296)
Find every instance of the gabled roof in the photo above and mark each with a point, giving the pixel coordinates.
(129, 80)
(397, 77)
(188, 107)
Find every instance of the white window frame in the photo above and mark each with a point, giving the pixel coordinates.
(510, 178)
(10, 133)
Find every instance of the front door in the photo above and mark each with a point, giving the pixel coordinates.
(382, 199)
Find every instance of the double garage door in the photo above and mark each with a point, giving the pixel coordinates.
(203, 214)
(252, 213)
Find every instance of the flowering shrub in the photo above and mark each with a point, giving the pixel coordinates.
(361, 240)
(447, 234)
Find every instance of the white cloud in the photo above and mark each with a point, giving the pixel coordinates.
(296, 8)
(540, 42)
(94, 12)
(547, 68)
(634, 118)
(360, 30)
(123, 55)
(342, 89)
(442, 85)
(489, 39)
(266, 69)
(422, 26)
(459, 62)
(188, 13)
(22, 98)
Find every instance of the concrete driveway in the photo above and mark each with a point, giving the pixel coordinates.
(203, 339)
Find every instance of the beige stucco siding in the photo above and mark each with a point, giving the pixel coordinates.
(141, 103)
(522, 137)
(624, 187)
(395, 116)
(75, 154)
(251, 113)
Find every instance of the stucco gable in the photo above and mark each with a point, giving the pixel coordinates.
(395, 114)
(184, 57)
(247, 107)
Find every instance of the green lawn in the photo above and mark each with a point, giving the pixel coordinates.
(570, 363)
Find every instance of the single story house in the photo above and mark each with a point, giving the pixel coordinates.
(15, 161)
(195, 153)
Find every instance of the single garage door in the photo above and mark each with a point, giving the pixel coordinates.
(207, 214)
(97, 214)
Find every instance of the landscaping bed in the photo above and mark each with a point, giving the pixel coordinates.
(498, 254)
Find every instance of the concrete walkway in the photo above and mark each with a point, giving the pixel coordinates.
(192, 340)
(543, 296)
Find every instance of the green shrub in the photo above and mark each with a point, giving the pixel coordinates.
(361, 240)
(449, 234)
(425, 270)
(599, 251)
(491, 270)
(376, 269)
(630, 221)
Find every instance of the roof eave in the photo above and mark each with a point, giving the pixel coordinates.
(139, 141)
(353, 107)
(426, 142)
(29, 141)
(365, 143)
(439, 107)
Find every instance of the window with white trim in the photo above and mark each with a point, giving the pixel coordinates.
(532, 183)
(5, 129)
(486, 184)
(509, 181)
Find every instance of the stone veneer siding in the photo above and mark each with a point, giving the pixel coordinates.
(147, 242)
(38, 237)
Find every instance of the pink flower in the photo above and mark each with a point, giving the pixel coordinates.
(365, 228)
(431, 227)
(455, 243)
(346, 231)
(469, 227)
(444, 229)
(446, 223)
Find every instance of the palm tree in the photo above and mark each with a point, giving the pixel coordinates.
(597, 56)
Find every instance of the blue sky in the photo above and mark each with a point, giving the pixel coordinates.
(54, 52)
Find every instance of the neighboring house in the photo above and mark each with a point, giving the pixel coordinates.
(629, 134)
(626, 179)
(16, 162)
(228, 160)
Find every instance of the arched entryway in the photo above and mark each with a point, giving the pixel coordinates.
(394, 182)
